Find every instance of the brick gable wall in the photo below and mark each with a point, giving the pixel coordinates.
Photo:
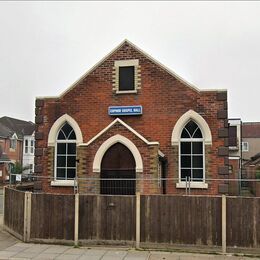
(163, 97)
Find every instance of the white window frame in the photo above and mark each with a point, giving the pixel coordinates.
(26, 146)
(32, 146)
(13, 142)
(126, 63)
(243, 146)
(193, 184)
(63, 182)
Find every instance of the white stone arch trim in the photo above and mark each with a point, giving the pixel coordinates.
(183, 120)
(108, 143)
(58, 124)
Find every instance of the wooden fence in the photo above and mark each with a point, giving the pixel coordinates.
(14, 212)
(142, 220)
(181, 219)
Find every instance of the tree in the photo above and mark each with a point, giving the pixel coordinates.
(18, 168)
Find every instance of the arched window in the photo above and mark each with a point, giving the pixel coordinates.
(191, 155)
(65, 159)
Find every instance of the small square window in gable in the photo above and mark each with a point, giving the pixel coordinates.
(126, 76)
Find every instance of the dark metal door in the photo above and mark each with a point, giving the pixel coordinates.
(118, 171)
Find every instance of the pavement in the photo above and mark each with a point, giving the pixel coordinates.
(12, 248)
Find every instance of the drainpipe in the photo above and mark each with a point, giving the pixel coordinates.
(241, 155)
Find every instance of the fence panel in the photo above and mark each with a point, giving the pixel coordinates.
(243, 222)
(52, 216)
(105, 217)
(181, 219)
(14, 210)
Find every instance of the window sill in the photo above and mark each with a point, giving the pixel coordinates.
(126, 92)
(193, 185)
(233, 148)
(65, 183)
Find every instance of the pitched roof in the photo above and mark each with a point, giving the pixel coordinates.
(9, 126)
(251, 130)
(127, 42)
(5, 131)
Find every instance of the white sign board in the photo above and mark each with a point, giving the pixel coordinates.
(18, 177)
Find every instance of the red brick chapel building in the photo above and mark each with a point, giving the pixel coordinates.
(130, 117)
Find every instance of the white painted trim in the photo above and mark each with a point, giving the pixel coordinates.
(146, 55)
(183, 120)
(160, 153)
(66, 183)
(234, 158)
(193, 185)
(58, 124)
(111, 141)
(14, 136)
(125, 125)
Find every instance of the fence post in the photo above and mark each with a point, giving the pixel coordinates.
(27, 216)
(224, 224)
(186, 186)
(76, 220)
(3, 206)
(138, 220)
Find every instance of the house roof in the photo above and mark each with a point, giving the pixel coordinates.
(251, 130)
(127, 42)
(9, 126)
(5, 131)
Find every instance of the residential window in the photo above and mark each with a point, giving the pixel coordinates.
(26, 146)
(232, 136)
(32, 146)
(65, 163)
(245, 146)
(126, 78)
(191, 155)
(13, 143)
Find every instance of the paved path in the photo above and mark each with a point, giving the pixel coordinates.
(44, 252)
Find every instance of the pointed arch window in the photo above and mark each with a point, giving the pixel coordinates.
(65, 161)
(191, 154)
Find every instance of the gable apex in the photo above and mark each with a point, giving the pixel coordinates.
(127, 42)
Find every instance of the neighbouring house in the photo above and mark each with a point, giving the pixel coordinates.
(250, 168)
(244, 151)
(251, 153)
(235, 155)
(250, 140)
(12, 149)
(130, 117)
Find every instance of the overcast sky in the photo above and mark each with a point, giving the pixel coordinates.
(46, 46)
